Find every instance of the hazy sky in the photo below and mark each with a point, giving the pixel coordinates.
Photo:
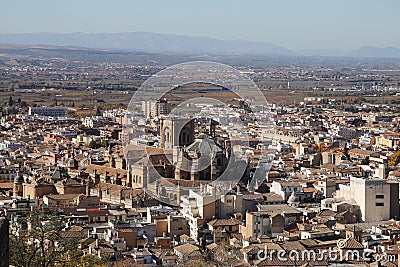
(296, 24)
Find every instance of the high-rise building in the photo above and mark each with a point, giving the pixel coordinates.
(156, 108)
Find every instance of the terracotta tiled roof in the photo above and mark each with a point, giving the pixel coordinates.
(288, 262)
(184, 183)
(351, 243)
(64, 196)
(116, 189)
(308, 242)
(211, 246)
(361, 151)
(101, 170)
(254, 248)
(224, 222)
(74, 234)
(186, 249)
(293, 245)
(326, 213)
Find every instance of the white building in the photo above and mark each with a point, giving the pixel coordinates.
(378, 199)
(196, 208)
(285, 189)
(10, 145)
(70, 133)
(94, 121)
(48, 111)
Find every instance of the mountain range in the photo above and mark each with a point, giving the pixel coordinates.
(167, 43)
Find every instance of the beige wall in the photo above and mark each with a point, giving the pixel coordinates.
(229, 205)
(91, 201)
(177, 225)
(61, 189)
(262, 225)
(366, 194)
(61, 202)
(130, 238)
(161, 227)
(164, 242)
(38, 191)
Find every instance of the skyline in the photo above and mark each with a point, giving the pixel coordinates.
(300, 26)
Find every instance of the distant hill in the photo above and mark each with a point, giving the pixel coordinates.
(371, 51)
(175, 44)
(365, 51)
(145, 42)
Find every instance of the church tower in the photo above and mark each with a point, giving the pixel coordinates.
(17, 188)
(176, 132)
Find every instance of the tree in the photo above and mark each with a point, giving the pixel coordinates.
(346, 152)
(373, 141)
(322, 148)
(98, 111)
(199, 261)
(93, 144)
(223, 255)
(24, 104)
(10, 101)
(395, 158)
(35, 241)
(104, 143)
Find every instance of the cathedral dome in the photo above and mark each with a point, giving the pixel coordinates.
(205, 145)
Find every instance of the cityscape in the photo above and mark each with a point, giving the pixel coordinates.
(225, 153)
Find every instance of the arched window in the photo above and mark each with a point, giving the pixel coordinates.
(183, 138)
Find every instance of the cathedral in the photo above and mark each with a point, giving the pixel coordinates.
(195, 157)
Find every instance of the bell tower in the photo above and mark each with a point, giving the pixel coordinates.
(17, 186)
(176, 132)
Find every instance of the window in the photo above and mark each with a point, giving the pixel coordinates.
(380, 196)
(379, 204)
